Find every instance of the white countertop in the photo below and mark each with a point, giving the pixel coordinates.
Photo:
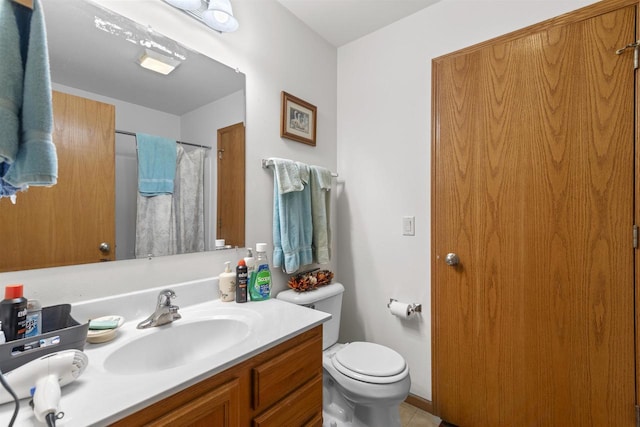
(99, 397)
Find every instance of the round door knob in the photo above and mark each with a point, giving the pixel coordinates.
(452, 259)
(104, 247)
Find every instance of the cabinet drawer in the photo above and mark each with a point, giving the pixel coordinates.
(301, 408)
(284, 373)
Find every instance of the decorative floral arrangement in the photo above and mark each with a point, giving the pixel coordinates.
(310, 280)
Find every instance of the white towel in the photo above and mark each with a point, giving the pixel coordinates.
(290, 175)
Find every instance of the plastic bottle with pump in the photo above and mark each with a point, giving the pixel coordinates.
(227, 283)
(13, 312)
(260, 285)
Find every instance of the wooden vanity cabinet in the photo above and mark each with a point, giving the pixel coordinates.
(279, 387)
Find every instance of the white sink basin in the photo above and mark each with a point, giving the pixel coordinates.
(176, 344)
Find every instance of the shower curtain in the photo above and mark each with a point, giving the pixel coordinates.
(172, 224)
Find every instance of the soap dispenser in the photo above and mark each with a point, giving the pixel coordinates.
(227, 283)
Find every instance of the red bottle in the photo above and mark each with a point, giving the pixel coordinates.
(13, 312)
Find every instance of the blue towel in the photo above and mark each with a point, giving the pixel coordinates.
(292, 226)
(6, 189)
(157, 157)
(36, 162)
(11, 75)
(320, 185)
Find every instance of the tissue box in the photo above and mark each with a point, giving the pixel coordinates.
(60, 332)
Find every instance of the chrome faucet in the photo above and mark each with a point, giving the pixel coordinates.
(165, 311)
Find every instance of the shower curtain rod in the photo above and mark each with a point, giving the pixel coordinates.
(124, 132)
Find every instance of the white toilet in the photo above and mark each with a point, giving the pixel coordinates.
(363, 383)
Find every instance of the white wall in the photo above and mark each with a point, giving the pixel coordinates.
(384, 101)
(276, 52)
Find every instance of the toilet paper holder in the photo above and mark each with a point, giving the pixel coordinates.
(413, 308)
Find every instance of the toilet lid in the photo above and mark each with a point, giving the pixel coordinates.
(369, 362)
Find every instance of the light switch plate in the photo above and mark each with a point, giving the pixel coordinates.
(408, 225)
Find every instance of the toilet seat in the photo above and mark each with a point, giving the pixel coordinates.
(370, 362)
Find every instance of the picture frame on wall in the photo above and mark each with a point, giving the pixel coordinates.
(298, 120)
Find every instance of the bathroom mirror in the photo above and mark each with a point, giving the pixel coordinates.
(96, 52)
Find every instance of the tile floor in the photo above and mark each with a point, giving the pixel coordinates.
(414, 417)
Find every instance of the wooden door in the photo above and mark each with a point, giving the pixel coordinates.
(65, 224)
(533, 183)
(231, 182)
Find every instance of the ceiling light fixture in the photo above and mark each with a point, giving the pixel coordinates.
(216, 14)
(219, 16)
(154, 61)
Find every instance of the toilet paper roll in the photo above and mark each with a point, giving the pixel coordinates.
(400, 309)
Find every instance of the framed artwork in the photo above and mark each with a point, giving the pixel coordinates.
(298, 120)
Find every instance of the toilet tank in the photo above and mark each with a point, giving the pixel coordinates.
(326, 298)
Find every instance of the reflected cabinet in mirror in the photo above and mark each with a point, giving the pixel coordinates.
(103, 98)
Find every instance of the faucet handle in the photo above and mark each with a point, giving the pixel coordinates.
(165, 296)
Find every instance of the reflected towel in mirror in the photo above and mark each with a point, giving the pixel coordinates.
(157, 157)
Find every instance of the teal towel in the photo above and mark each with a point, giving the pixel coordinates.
(157, 157)
(292, 226)
(320, 186)
(36, 163)
(11, 76)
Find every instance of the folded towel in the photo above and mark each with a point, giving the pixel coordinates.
(157, 158)
(292, 226)
(288, 174)
(36, 163)
(320, 185)
(11, 76)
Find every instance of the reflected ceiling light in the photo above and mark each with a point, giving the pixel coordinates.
(219, 16)
(154, 61)
(185, 4)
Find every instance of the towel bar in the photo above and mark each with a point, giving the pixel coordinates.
(266, 164)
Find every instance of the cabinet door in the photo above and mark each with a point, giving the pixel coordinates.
(218, 407)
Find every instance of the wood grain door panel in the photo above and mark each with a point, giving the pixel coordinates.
(231, 185)
(533, 189)
(65, 224)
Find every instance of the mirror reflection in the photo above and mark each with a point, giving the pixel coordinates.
(103, 93)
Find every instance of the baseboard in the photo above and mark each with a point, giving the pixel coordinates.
(419, 402)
